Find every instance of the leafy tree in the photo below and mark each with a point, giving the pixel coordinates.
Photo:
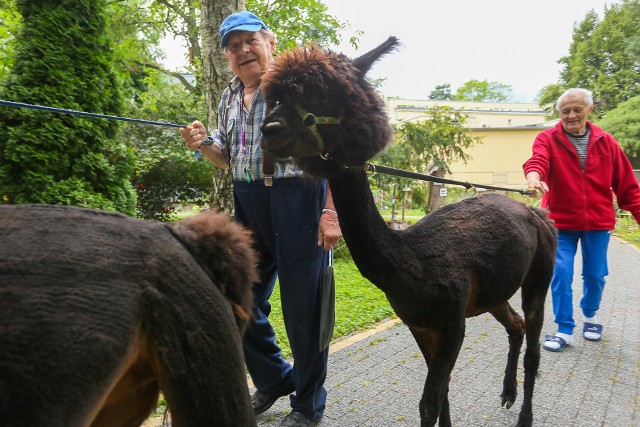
(483, 91)
(617, 78)
(633, 49)
(296, 23)
(63, 56)
(441, 93)
(438, 141)
(548, 97)
(9, 26)
(166, 173)
(601, 58)
(624, 123)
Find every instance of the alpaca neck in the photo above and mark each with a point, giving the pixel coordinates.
(370, 240)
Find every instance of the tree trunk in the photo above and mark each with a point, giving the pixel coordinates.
(215, 76)
(435, 200)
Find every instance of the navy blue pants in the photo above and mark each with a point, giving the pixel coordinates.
(284, 220)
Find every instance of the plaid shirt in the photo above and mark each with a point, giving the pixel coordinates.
(229, 135)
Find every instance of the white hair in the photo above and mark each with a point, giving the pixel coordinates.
(587, 95)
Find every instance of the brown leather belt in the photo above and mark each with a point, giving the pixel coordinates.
(268, 168)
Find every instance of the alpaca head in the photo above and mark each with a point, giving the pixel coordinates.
(322, 111)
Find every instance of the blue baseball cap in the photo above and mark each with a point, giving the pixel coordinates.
(239, 21)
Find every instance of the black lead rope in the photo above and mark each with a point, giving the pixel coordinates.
(414, 175)
(370, 166)
(82, 113)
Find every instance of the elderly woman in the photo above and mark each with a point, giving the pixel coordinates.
(579, 167)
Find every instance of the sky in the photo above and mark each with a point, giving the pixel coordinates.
(513, 42)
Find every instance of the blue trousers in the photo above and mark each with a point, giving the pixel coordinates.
(284, 220)
(594, 246)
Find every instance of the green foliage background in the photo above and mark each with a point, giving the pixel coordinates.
(86, 161)
(62, 55)
(601, 58)
(623, 122)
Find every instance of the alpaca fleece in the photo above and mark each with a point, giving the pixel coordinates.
(99, 312)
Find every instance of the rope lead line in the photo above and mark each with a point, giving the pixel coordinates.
(414, 175)
(82, 113)
(370, 166)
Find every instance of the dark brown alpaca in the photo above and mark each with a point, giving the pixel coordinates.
(99, 312)
(460, 261)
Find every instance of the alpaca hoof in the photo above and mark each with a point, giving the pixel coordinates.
(508, 399)
(426, 420)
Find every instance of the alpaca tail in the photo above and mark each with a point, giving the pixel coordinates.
(198, 355)
(547, 232)
(543, 215)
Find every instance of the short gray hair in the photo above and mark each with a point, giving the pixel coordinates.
(587, 95)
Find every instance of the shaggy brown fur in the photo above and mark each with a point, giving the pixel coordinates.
(99, 311)
(460, 261)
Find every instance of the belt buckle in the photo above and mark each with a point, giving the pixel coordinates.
(268, 181)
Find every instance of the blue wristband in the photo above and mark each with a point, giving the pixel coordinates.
(206, 141)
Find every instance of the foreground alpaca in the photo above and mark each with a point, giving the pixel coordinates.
(460, 261)
(98, 312)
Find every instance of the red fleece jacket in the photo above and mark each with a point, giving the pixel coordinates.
(583, 200)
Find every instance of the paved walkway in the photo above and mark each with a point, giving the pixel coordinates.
(377, 379)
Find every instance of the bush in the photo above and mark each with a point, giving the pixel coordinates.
(63, 59)
(170, 182)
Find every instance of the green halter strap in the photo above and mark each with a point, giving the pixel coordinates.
(310, 120)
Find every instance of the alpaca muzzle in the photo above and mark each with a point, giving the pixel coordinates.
(272, 139)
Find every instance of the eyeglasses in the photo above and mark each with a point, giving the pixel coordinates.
(237, 46)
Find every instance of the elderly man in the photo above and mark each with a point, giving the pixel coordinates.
(293, 223)
(578, 167)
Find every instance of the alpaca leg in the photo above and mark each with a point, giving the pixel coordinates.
(531, 364)
(533, 298)
(440, 349)
(514, 324)
(445, 417)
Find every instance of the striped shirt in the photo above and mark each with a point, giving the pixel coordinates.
(580, 143)
(246, 156)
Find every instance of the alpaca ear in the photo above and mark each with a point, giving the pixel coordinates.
(365, 62)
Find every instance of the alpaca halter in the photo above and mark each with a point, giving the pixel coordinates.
(310, 120)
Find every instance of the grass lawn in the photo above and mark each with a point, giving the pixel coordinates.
(359, 305)
(628, 229)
